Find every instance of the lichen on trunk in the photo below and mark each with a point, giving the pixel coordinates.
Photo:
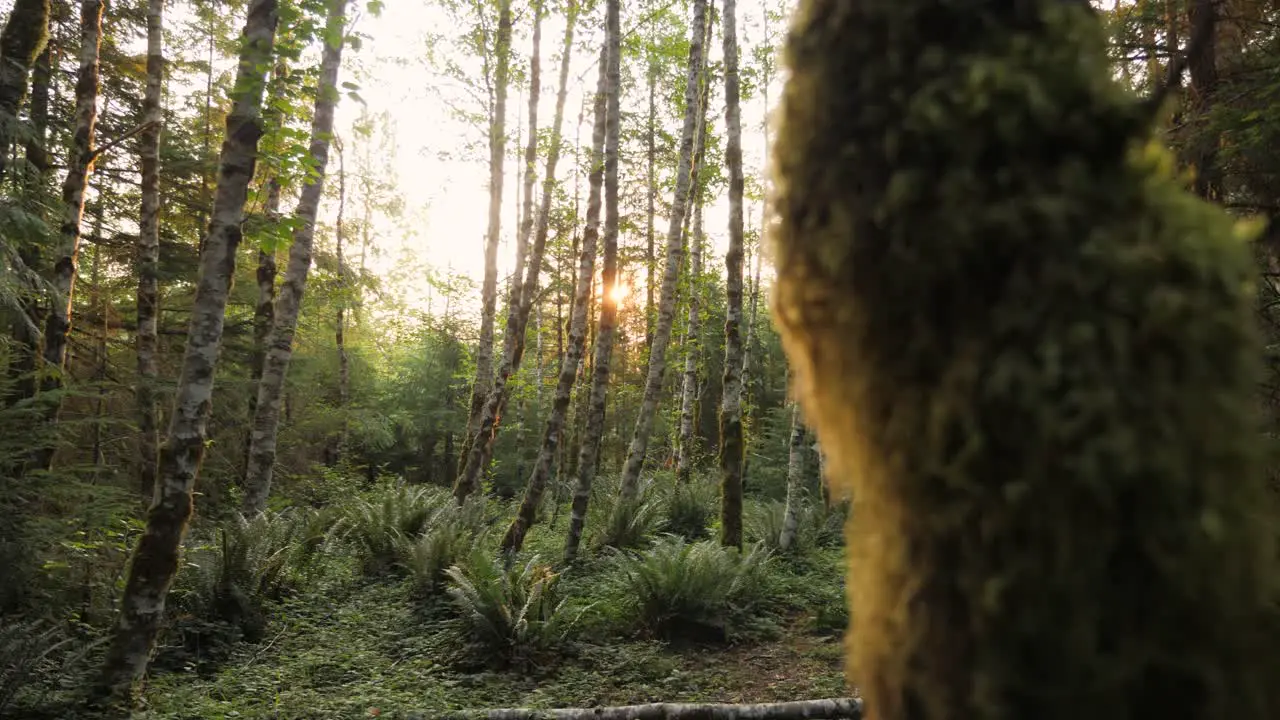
(1031, 359)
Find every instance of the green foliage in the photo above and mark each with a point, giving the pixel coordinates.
(453, 535)
(31, 653)
(689, 509)
(690, 589)
(817, 525)
(513, 614)
(380, 524)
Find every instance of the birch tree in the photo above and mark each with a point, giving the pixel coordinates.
(80, 159)
(671, 273)
(148, 298)
(795, 481)
(589, 451)
(518, 313)
(155, 559)
(489, 288)
(731, 443)
(266, 421)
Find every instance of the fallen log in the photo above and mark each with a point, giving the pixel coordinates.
(826, 709)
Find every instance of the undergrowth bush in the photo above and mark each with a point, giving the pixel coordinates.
(452, 534)
(819, 526)
(512, 615)
(690, 508)
(693, 590)
(34, 655)
(624, 523)
(380, 524)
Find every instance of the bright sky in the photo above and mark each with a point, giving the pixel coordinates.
(444, 187)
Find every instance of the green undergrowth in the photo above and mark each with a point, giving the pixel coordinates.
(397, 601)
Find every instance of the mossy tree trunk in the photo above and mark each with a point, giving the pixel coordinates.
(148, 296)
(731, 441)
(1032, 360)
(266, 420)
(155, 560)
(22, 41)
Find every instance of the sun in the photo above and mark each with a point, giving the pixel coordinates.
(619, 293)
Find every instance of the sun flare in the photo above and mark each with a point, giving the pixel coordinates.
(619, 293)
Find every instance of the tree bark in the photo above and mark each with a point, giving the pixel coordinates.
(489, 288)
(79, 165)
(523, 293)
(266, 421)
(340, 322)
(827, 709)
(513, 540)
(651, 154)
(671, 273)
(155, 560)
(795, 481)
(589, 451)
(1203, 67)
(148, 300)
(731, 442)
(21, 42)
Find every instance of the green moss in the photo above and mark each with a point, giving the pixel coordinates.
(1031, 358)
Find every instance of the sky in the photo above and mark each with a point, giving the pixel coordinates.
(444, 187)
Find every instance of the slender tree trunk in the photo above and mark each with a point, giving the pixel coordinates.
(155, 561)
(731, 444)
(650, 262)
(21, 42)
(1203, 67)
(795, 480)
(693, 346)
(514, 538)
(671, 273)
(149, 253)
(589, 454)
(340, 323)
(489, 289)
(266, 421)
(41, 82)
(79, 165)
(523, 293)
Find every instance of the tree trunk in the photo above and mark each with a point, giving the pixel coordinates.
(651, 154)
(489, 289)
(523, 292)
(37, 154)
(671, 273)
(1203, 67)
(266, 420)
(589, 451)
(340, 322)
(514, 537)
(155, 561)
(21, 42)
(1034, 439)
(795, 481)
(149, 253)
(79, 164)
(827, 709)
(731, 444)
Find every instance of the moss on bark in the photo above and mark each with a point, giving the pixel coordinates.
(1031, 358)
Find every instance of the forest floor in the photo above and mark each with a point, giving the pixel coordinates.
(363, 650)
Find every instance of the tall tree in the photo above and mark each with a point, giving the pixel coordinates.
(489, 288)
(795, 481)
(479, 452)
(266, 421)
(79, 164)
(569, 360)
(589, 452)
(148, 298)
(671, 273)
(155, 560)
(731, 443)
(339, 443)
(651, 198)
(21, 42)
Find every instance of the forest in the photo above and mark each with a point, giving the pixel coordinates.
(479, 358)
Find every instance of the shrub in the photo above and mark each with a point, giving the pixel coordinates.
(511, 614)
(694, 589)
(818, 526)
(380, 525)
(31, 652)
(622, 523)
(690, 508)
(453, 534)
